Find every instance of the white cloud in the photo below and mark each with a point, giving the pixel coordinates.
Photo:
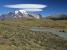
(26, 6)
(33, 10)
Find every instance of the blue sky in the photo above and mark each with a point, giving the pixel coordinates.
(53, 6)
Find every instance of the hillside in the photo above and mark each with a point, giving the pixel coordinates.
(15, 35)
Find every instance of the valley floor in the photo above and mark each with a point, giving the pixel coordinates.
(33, 35)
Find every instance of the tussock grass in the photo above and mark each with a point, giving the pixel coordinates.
(14, 35)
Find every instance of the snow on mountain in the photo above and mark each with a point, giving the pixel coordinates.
(22, 11)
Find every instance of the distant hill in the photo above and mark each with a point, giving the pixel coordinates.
(58, 17)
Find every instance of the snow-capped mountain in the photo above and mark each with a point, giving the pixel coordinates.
(25, 14)
(20, 14)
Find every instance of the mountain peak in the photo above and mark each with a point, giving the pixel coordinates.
(21, 11)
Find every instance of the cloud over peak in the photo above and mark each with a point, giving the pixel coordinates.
(26, 6)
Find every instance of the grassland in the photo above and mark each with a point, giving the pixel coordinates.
(14, 35)
(38, 23)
